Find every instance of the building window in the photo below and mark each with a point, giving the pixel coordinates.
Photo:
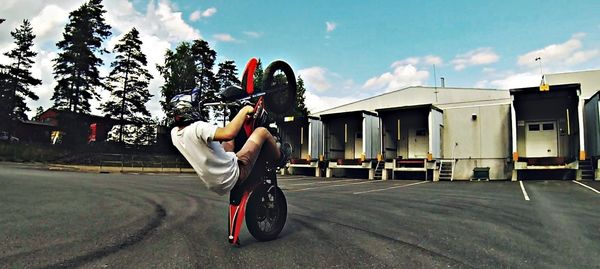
(421, 132)
(548, 126)
(534, 127)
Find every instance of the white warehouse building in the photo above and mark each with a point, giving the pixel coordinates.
(446, 133)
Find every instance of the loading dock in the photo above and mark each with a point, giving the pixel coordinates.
(475, 136)
(351, 141)
(305, 136)
(546, 131)
(411, 139)
(438, 148)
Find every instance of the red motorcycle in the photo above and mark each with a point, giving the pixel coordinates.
(258, 199)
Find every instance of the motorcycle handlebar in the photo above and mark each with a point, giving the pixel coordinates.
(236, 102)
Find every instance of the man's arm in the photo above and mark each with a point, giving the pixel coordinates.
(232, 128)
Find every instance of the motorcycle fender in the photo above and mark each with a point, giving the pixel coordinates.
(236, 218)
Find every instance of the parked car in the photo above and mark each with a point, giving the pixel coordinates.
(6, 137)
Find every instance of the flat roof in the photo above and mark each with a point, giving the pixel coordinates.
(349, 113)
(430, 106)
(418, 95)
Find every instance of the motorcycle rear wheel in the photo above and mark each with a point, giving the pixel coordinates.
(279, 82)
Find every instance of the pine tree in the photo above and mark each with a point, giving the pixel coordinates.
(204, 58)
(227, 76)
(258, 76)
(146, 133)
(300, 108)
(128, 83)
(38, 111)
(18, 81)
(4, 96)
(179, 73)
(76, 67)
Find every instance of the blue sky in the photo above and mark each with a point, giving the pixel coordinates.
(347, 50)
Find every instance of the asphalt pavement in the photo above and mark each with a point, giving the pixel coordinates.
(62, 219)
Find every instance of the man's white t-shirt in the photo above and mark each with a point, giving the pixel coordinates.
(216, 167)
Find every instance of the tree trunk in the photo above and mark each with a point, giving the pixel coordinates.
(15, 81)
(123, 96)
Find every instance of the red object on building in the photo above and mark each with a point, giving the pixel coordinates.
(92, 136)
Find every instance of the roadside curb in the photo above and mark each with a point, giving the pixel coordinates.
(117, 169)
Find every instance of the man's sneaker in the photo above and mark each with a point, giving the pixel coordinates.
(285, 150)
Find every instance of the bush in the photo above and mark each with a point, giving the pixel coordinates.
(29, 153)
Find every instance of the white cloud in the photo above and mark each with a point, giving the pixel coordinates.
(565, 54)
(511, 80)
(316, 78)
(224, 37)
(407, 72)
(253, 34)
(195, 15)
(330, 26)
(480, 56)
(49, 23)
(432, 59)
(209, 12)
(407, 61)
(420, 61)
(315, 103)
(47, 18)
(198, 14)
(488, 70)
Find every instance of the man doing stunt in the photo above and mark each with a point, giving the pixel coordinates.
(209, 148)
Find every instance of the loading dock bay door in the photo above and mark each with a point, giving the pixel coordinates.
(541, 139)
(418, 143)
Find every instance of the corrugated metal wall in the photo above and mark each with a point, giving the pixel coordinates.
(371, 136)
(316, 138)
(435, 133)
(592, 126)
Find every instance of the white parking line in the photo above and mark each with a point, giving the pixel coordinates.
(280, 178)
(524, 191)
(586, 186)
(322, 182)
(395, 187)
(338, 185)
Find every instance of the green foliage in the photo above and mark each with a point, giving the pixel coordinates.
(128, 83)
(227, 75)
(204, 58)
(38, 111)
(178, 71)
(76, 66)
(189, 67)
(30, 153)
(258, 77)
(16, 82)
(300, 109)
(143, 133)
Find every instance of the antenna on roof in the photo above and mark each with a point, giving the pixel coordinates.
(539, 59)
(435, 84)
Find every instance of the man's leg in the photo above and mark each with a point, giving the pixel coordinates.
(260, 143)
(228, 145)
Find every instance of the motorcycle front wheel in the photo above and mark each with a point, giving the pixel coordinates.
(266, 212)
